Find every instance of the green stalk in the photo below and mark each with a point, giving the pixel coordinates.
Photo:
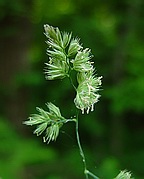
(92, 175)
(86, 171)
(81, 150)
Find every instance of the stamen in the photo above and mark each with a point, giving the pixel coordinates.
(88, 110)
(82, 111)
(92, 107)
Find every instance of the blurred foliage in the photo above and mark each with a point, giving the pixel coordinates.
(112, 136)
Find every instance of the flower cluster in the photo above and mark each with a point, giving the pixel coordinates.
(60, 47)
(124, 175)
(87, 90)
(81, 62)
(66, 54)
(50, 122)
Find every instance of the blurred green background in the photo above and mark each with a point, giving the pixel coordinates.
(113, 135)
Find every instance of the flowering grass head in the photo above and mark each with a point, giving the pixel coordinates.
(124, 175)
(66, 54)
(87, 91)
(57, 67)
(47, 121)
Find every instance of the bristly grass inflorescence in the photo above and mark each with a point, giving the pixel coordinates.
(124, 175)
(66, 54)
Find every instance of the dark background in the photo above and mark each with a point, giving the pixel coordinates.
(113, 135)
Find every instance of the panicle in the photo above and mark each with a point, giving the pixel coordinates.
(66, 54)
(49, 121)
(87, 91)
(57, 67)
(124, 175)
